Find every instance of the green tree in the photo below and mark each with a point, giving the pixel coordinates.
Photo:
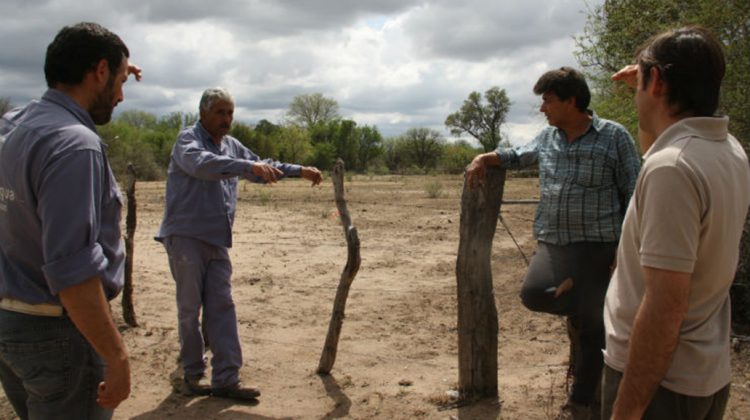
(423, 147)
(161, 143)
(394, 154)
(323, 156)
(5, 105)
(615, 29)
(266, 127)
(125, 145)
(311, 109)
(263, 140)
(138, 119)
(177, 120)
(343, 137)
(370, 146)
(456, 156)
(481, 120)
(345, 141)
(294, 144)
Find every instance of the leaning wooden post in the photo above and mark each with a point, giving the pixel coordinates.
(477, 315)
(353, 260)
(128, 313)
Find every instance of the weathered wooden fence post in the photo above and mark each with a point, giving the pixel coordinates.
(128, 312)
(477, 315)
(353, 260)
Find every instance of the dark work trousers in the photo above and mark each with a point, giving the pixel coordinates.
(588, 265)
(666, 404)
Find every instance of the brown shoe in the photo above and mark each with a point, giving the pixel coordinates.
(236, 392)
(196, 385)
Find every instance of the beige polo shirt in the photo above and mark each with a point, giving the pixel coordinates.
(686, 215)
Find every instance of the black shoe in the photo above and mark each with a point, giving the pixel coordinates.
(196, 385)
(574, 411)
(237, 392)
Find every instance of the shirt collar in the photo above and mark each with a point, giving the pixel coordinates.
(61, 99)
(705, 128)
(204, 135)
(596, 122)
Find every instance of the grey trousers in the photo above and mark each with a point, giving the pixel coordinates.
(588, 265)
(666, 404)
(202, 273)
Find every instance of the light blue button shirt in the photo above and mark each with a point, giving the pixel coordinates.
(202, 185)
(59, 203)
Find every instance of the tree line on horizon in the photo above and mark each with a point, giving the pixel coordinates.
(146, 140)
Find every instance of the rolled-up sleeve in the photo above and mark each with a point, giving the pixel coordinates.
(69, 209)
(521, 156)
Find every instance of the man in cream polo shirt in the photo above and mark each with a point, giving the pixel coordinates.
(667, 310)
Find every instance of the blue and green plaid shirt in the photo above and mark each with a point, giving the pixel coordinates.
(585, 185)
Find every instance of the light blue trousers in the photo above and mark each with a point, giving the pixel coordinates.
(202, 273)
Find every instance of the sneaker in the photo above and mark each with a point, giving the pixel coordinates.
(236, 392)
(574, 411)
(197, 385)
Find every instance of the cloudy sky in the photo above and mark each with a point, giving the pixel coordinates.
(395, 64)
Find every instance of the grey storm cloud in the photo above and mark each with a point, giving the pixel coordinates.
(392, 63)
(492, 28)
(268, 16)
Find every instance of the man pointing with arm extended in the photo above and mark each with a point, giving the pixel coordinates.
(196, 231)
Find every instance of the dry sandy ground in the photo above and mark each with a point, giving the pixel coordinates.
(397, 355)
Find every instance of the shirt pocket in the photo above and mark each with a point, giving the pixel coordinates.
(591, 171)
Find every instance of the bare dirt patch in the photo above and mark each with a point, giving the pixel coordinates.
(397, 355)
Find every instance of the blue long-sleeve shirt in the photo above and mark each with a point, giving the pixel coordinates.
(585, 185)
(59, 203)
(202, 185)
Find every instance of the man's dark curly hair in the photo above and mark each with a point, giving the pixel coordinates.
(564, 83)
(77, 49)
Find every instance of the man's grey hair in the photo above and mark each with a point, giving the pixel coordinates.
(210, 96)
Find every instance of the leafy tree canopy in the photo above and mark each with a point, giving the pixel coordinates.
(309, 110)
(481, 120)
(615, 30)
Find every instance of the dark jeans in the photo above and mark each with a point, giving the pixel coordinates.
(666, 404)
(587, 264)
(48, 370)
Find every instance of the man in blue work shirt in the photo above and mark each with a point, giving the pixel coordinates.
(587, 172)
(61, 255)
(197, 231)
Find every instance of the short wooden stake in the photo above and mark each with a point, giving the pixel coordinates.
(477, 315)
(128, 312)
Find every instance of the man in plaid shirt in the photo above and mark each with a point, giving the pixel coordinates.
(587, 172)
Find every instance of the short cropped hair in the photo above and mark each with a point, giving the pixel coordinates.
(564, 83)
(77, 49)
(212, 95)
(691, 62)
